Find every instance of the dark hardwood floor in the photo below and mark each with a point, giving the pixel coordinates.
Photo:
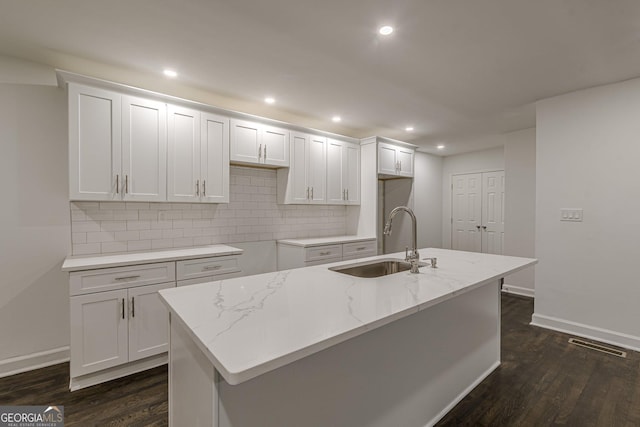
(543, 381)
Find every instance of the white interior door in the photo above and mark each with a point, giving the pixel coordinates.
(493, 212)
(466, 212)
(478, 212)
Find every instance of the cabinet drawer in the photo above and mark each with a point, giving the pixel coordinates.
(104, 279)
(322, 252)
(205, 267)
(356, 249)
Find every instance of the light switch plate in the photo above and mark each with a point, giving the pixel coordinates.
(571, 214)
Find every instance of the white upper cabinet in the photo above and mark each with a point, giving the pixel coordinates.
(305, 180)
(184, 155)
(94, 143)
(117, 146)
(256, 143)
(343, 172)
(198, 161)
(144, 149)
(214, 158)
(394, 160)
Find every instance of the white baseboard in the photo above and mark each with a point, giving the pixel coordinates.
(29, 362)
(585, 331)
(518, 290)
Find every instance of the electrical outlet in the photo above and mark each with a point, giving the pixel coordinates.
(567, 214)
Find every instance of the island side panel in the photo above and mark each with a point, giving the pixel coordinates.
(409, 372)
(193, 399)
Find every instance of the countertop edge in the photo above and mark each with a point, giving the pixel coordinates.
(322, 241)
(75, 263)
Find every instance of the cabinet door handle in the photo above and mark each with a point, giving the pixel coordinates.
(133, 306)
(197, 187)
(478, 227)
(484, 227)
(204, 187)
(361, 248)
(265, 152)
(325, 253)
(347, 194)
(127, 277)
(123, 308)
(211, 267)
(117, 183)
(311, 193)
(343, 193)
(126, 184)
(307, 193)
(260, 152)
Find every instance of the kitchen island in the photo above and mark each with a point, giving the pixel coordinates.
(315, 347)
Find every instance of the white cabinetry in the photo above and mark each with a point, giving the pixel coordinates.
(117, 146)
(201, 270)
(198, 161)
(343, 172)
(305, 180)
(395, 160)
(257, 143)
(117, 317)
(307, 252)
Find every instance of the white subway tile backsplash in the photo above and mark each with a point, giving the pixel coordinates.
(252, 215)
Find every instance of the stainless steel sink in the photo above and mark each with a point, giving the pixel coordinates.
(376, 268)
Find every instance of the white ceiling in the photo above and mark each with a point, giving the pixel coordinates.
(457, 71)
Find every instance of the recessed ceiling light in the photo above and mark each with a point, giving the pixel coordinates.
(270, 100)
(336, 119)
(409, 128)
(440, 146)
(170, 73)
(385, 30)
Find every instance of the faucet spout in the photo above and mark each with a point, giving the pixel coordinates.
(414, 257)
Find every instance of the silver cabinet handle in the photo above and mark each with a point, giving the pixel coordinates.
(343, 194)
(117, 183)
(307, 193)
(133, 306)
(400, 165)
(325, 253)
(311, 193)
(347, 194)
(260, 152)
(211, 267)
(197, 187)
(127, 277)
(361, 248)
(123, 308)
(265, 151)
(126, 184)
(204, 187)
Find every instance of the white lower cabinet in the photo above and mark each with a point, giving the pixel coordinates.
(295, 254)
(116, 327)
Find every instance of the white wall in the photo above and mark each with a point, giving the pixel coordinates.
(428, 199)
(478, 161)
(34, 224)
(520, 206)
(588, 156)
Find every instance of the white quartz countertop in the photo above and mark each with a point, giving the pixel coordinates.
(319, 241)
(77, 263)
(251, 325)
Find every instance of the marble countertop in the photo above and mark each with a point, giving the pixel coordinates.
(251, 325)
(319, 241)
(78, 263)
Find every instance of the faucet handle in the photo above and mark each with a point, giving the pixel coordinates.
(434, 261)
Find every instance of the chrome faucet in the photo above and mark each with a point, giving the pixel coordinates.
(414, 257)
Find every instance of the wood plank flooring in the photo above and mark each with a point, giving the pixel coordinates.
(543, 381)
